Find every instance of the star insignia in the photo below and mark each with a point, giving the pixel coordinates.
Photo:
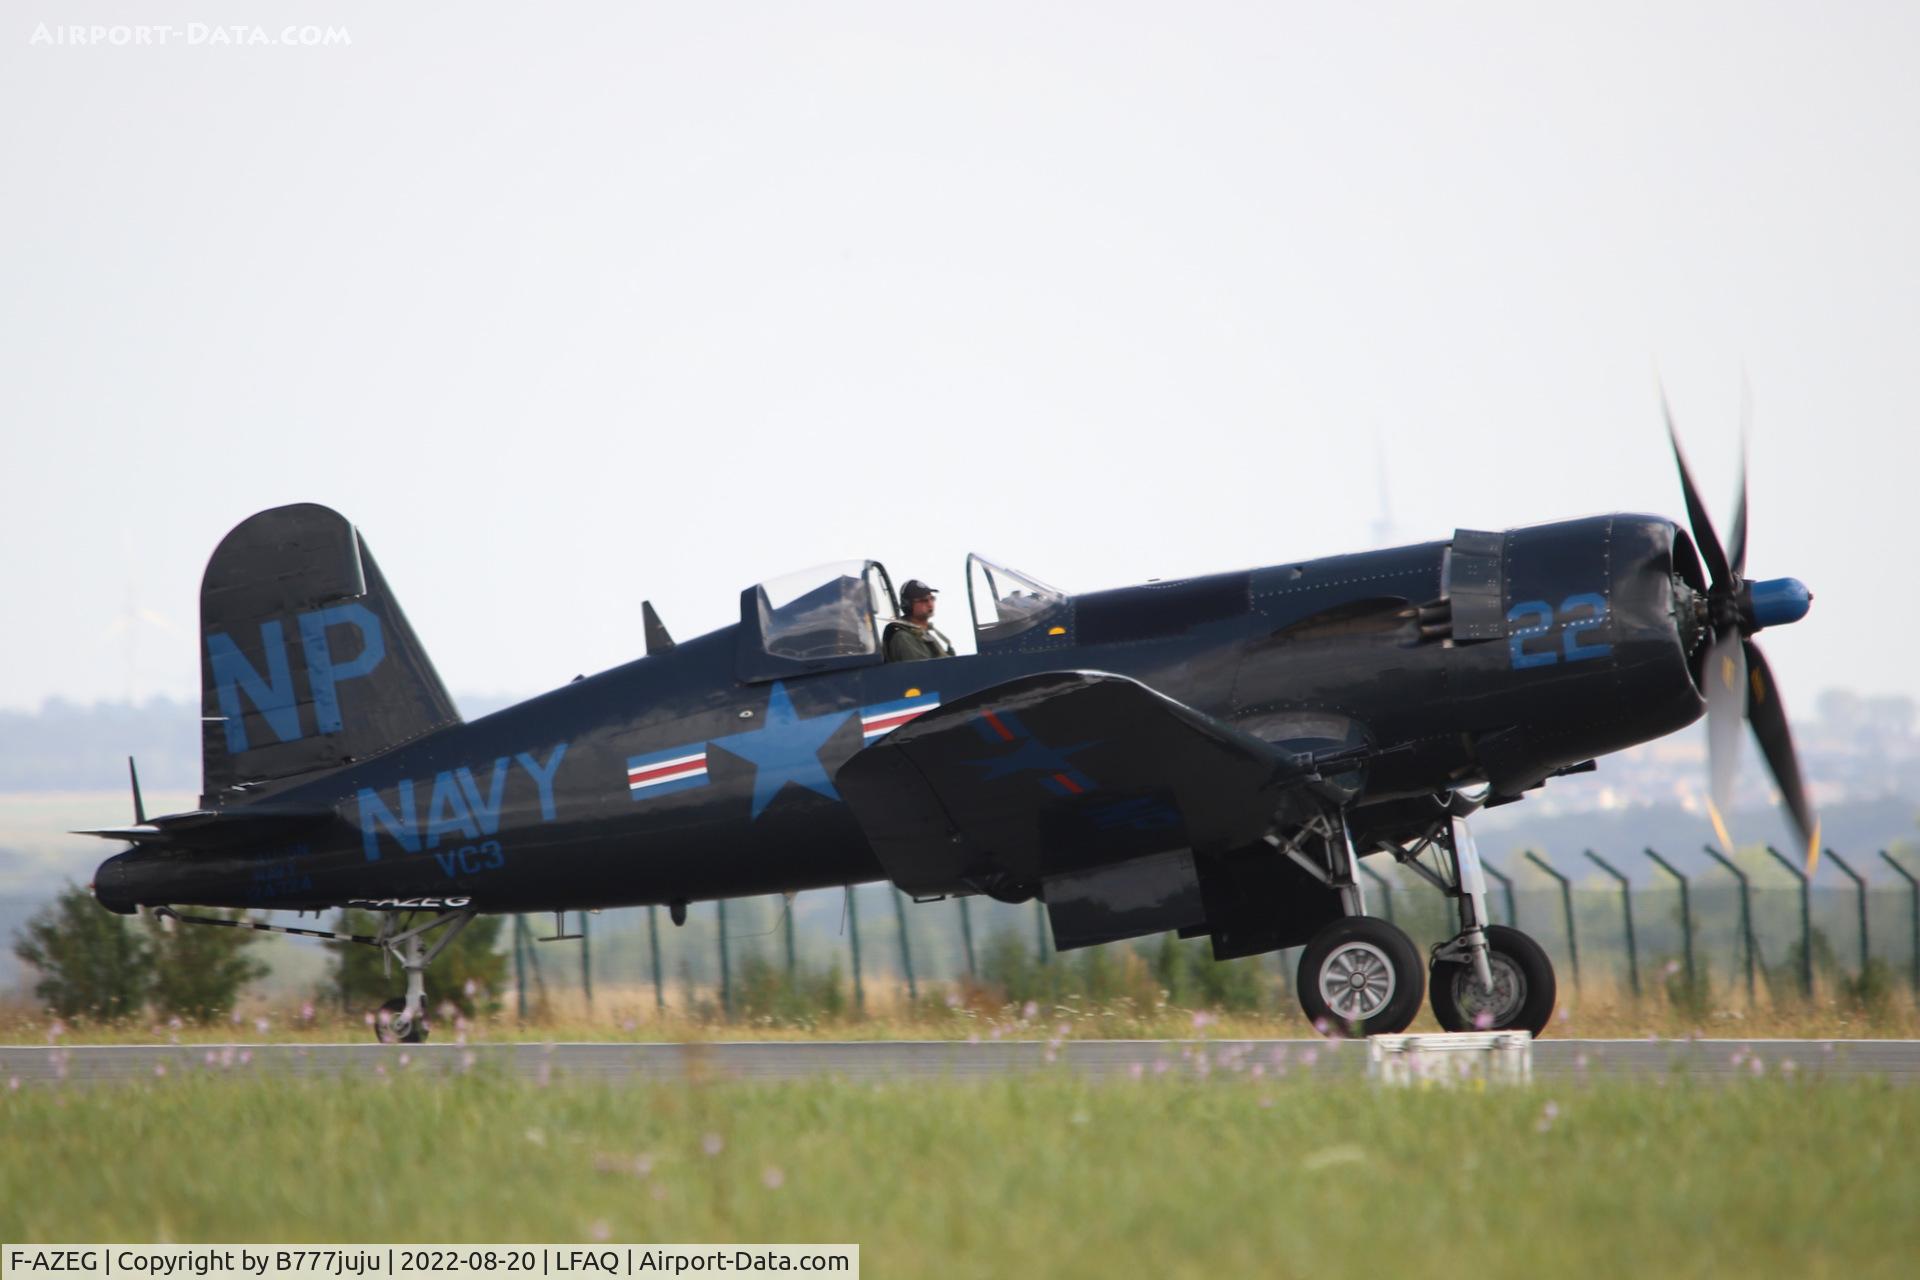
(785, 748)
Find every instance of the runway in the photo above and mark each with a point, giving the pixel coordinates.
(1553, 1060)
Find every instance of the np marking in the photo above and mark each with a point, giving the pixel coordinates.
(272, 693)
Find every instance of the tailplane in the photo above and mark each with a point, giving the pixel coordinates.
(306, 661)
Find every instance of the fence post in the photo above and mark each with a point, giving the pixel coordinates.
(520, 966)
(1860, 886)
(1566, 907)
(1806, 920)
(966, 936)
(906, 944)
(726, 971)
(1506, 889)
(586, 961)
(1040, 932)
(853, 936)
(1686, 914)
(1913, 912)
(786, 905)
(653, 946)
(1626, 909)
(1746, 913)
(1386, 890)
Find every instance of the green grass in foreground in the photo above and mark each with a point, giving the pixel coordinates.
(1035, 1176)
(967, 1013)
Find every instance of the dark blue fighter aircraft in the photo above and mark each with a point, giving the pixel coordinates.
(1211, 756)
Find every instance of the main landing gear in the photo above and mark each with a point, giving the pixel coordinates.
(1362, 976)
(403, 1019)
(1359, 975)
(1487, 977)
(1522, 995)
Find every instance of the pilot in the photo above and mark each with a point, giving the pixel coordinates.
(913, 636)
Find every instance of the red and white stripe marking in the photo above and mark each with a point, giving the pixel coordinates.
(884, 722)
(678, 769)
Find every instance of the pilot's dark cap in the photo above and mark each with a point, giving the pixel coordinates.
(917, 590)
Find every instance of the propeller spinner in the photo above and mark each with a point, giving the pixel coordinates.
(1739, 683)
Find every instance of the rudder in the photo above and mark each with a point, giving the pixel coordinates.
(306, 661)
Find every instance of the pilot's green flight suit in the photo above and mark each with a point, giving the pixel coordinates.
(908, 643)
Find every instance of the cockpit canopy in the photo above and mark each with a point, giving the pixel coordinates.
(815, 619)
(834, 615)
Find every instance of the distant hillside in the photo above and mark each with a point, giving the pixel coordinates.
(1857, 828)
(67, 747)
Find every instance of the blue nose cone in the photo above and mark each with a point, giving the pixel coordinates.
(1779, 601)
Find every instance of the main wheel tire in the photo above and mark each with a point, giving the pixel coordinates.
(1361, 976)
(1523, 987)
(390, 1024)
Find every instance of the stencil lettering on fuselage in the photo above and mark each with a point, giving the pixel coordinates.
(280, 873)
(457, 807)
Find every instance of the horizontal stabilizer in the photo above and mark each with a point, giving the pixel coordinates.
(218, 828)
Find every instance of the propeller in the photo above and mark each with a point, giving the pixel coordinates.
(1740, 686)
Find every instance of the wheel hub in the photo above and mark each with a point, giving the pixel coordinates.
(1356, 980)
(1499, 1007)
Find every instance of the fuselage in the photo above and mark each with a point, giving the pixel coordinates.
(704, 772)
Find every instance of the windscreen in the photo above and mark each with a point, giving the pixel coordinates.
(1006, 601)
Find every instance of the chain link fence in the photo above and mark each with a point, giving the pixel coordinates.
(1730, 933)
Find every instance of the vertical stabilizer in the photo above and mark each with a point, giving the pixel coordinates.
(306, 661)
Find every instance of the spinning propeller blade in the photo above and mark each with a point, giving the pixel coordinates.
(1769, 720)
(1739, 684)
(1726, 680)
(1703, 535)
(1737, 542)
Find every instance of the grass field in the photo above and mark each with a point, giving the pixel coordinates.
(1041, 1176)
(628, 1015)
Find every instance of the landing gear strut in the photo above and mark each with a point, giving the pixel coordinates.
(1487, 977)
(403, 1020)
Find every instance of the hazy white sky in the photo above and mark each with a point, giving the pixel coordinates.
(573, 304)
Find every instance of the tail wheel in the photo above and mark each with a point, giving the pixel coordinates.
(392, 1026)
(1523, 987)
(1361, 976)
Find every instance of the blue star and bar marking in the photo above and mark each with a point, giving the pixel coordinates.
(783, 748)
(1030, 755)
